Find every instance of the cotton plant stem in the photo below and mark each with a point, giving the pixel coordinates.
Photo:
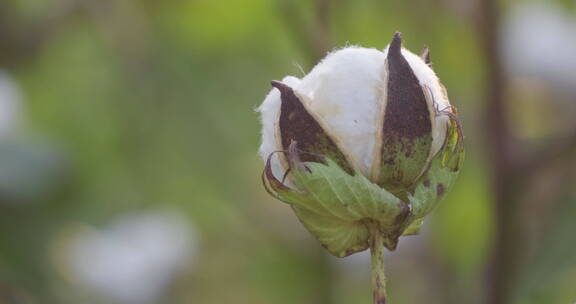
(377, 258)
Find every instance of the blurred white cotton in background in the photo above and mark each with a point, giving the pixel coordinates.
(32, 167)
(538, 41)
(134, 259)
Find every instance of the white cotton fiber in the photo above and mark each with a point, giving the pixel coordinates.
(343, 92)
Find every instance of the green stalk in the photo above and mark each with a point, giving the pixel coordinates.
(377, 258)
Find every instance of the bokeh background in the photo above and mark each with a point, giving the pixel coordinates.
(129, 171)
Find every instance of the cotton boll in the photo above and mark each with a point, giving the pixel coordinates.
(364, 149)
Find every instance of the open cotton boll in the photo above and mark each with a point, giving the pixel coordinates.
(343, 91)
(270, 112)
(363, 146)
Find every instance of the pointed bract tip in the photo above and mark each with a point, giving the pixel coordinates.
(282, 87)
(425, 55)
(276, 83)
(396, 45)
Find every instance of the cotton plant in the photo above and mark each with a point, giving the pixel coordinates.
(362, 149)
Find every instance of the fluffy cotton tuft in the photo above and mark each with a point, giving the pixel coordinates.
(343, 93)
